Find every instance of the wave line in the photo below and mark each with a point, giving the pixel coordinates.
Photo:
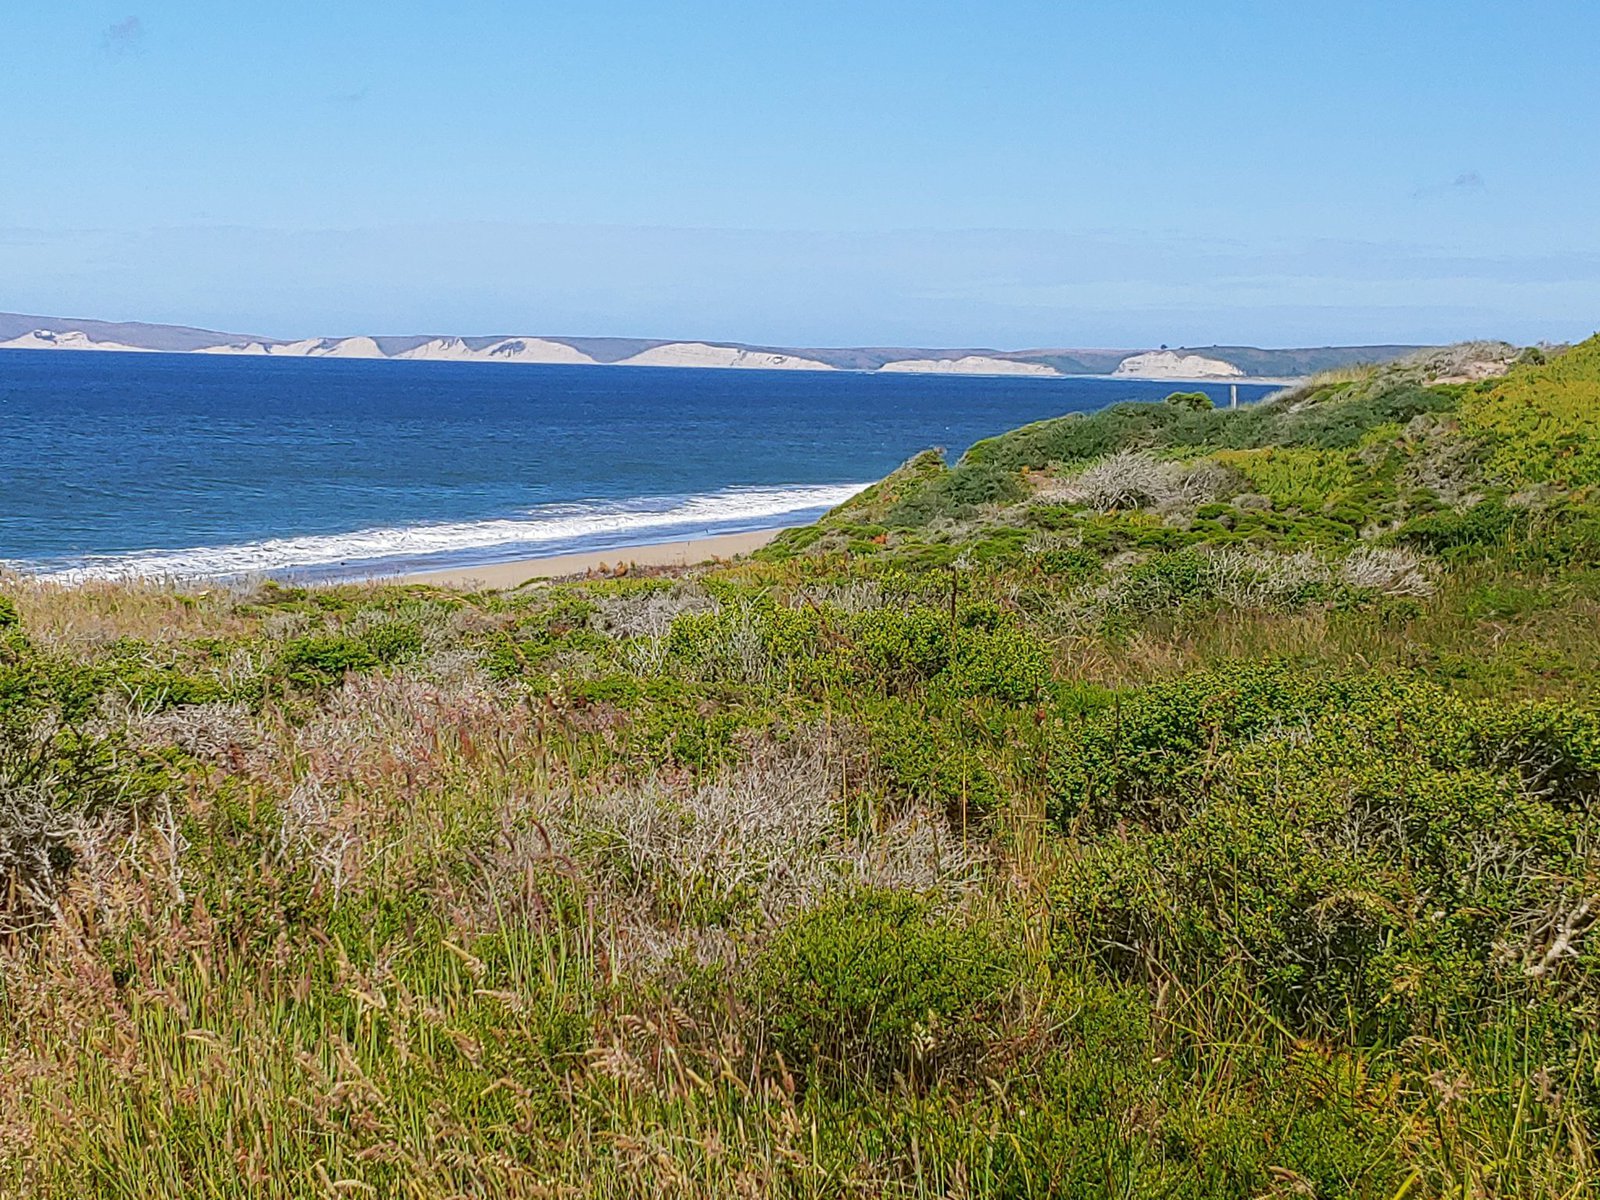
(541, 526)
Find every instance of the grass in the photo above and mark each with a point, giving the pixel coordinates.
(1008, 833)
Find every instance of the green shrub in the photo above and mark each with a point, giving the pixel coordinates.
(60, 767)
(1330, 417)
(1069, 566)
(881, 983)
(1006, 663)
(1484, 526)
(936, 757)
(1328, 841)
(902, 645)
(956, 495)
(875, 502)
(1342, 424)
(1539, 421)
(321, 658)
(1165, 580)
(1076, 438)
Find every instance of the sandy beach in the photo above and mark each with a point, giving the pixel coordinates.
(556, 566)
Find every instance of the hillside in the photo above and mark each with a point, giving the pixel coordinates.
(1164, 802)
(19, 332)
(1358, 458)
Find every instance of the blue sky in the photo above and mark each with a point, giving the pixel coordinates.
(1005, 174)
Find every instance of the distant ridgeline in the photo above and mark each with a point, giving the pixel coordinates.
(19, 332)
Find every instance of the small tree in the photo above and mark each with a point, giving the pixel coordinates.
(1192, 401)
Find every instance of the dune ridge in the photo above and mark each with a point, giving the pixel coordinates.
(19, 332)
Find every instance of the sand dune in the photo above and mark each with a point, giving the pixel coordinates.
(48, 333)
(352, 347)
(43, 339)
(246, 348)
(534, 350)
(967, 364)
(700, 354)
(519, 349)
(1166, 364)
(304, 348)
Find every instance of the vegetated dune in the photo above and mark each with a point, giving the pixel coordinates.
(1168, 364)
(1162, 802)
(702, 354)
(970, 364)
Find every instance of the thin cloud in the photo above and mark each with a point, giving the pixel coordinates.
(1466, 182)
(124, 36)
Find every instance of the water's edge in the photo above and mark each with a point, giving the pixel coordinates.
(544, 531)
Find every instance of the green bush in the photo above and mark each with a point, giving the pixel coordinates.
(1341, 423)
(902, 645)
(879, 983)
(1486, 525)
(935, 756)
(985, 654)
(956, 494)
(322, 658)
(60, 767)
(1007, 663)
(1331, 417)
(1071, 565)
(1075, 438)
(1368, 851)
(1165, 580)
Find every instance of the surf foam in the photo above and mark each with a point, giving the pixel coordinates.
(546, 529)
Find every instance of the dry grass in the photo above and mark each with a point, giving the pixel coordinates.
(1137, 479)
(84, 617)
(1130, 479)
(1389, 570)
(770, 834)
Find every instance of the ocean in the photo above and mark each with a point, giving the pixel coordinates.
(157, 465)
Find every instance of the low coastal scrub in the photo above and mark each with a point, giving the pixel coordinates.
(1168, 802)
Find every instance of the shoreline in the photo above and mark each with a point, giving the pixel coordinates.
(501, 576)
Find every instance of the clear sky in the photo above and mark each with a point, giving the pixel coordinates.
(860, 172)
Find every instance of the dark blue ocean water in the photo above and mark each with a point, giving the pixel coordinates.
(115, 464)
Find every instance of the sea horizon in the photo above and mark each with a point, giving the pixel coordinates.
(160, 466)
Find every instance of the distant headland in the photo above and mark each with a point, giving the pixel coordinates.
(22, 332)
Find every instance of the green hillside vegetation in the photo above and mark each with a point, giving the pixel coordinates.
(1168, 802)
(1298, 362)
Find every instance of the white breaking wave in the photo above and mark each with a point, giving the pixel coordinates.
(616, 523)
